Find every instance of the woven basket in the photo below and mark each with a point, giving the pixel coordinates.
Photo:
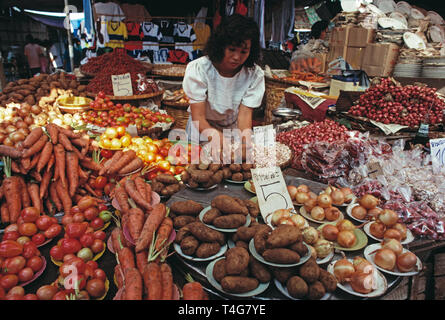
(155, 96)
(180, 114)
(274, 94)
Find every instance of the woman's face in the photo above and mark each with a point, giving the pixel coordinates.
(234, 57)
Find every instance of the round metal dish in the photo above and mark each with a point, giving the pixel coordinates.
(286, 113)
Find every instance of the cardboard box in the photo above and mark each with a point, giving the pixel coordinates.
(379, 59)
(339, 36)
(323, 59)
(335, 52)
(360, 37)
(354, 56)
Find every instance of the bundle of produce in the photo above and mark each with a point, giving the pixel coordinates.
(326, 130)
(203, 175)
(50, 171)
(388, 102)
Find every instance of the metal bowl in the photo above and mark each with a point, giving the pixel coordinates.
(286, 113)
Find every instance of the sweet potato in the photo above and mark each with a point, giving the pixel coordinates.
(166, 179)
(219, 270)
(204, 233)
(253, 207)
(186, 207)
(207, 249)
(201, 176)
(247, 233)
(238, 284)
(189, 245)
(237, 260)
(181, 221)
(210, 216)
(259, 270)
(170, 190)
(281, 255)
(227, 205)
(217, 177)
(283, 235)
(229, 221)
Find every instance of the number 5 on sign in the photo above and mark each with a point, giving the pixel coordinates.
(437, 150)
(122, 85)
(271, 191)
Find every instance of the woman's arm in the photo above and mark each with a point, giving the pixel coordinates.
(245, 117)
(198, 111)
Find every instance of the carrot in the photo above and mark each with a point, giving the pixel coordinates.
(140, 187)
(141, 260)
(122, 198)
(50, 207)
(35, 160)
(33, 137)
(148, 191)
(163, 233)
(90, 164)
(46, 179)
(63, 139)
(15, 167)
(134, 165)
(81, 142)
(59, 153)
(36, 175)
(91, 190)
(110, 161)
(83, 176)
(51, 162)
(26, 200)
(36, 147)
(126, 258)
(167, 282)
(79, 155)
(116, 236)
(193, 291)
(26, 163)
(133, 193)
(69, 133)
(45, 156)
(122, 161)
(53, 132)
(13, 199)
(150, 226)
(119, 275)
(136, 220)
(54, 196)
(152, 281)
(33, 190)
(133, 284)
(5, 213)
(72, 166)
(64, 197)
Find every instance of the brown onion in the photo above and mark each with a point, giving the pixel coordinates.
(279, 215)
(329, 232)
(10, 129)
(310, 204)
(324, 200)
(374, 213)
(346, 239)
(317, 213)
(377, 229)
(406, 261)
(394, 245)
(310, 235)
(347, 192)
(17, 136)
(345, 225)
(362, 282)
(362, 265)
(388, 217)
(332, 213)
(36, 109)
(368, 201)
(299, 221)
(2, 137)
(392, 233)
(28, 120)
(312, 195)
(8, 142)
(292, 191)
(301, 197)
(359, 212)
(402, 229)
(337, 197)
(343, 270)
(21, 124)
(329, 190)
(303, 188)
(385, 258)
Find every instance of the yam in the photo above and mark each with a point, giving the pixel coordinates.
(283, 235)
(237, 260)
(166, 179)
(281, 255)
(210, 216)
(230, 221)
(207, 249)
(186, 207)
(182, 221)
(239, 284)
(235, 167)
(227, 205)
(201, 176)
(227, 173)
(204, 233)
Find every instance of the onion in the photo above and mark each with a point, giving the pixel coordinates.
(346, 239)
(377, 229)
(310, 235)
(362, 265)
(359, 212)
(312, 195)
(36, 109)
(374, 213)
(394, 245)
(368, 201)
(329, 190)
(330, 232)
(402, 229)
(337, 197)
(385, 258)
(406, 261)
(392, 233)
(21, 124)
(313, 251)
(345, 225)
(17, 136)
(299, 221)
(310, 204)
(317, 213)
(303, 188)
(362, 282)
(279, 215)
(10, 129)
(343, 270)
(323, 248)
(29, 120)
(388, 217)
(332, 213)
(301, 197)
(324, 200)
(347, 192)
(292, 191)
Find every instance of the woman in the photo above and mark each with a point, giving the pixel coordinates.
(226, 84)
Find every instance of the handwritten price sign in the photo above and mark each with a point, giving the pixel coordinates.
(264, 136)
(271, 191)
(437, 150)
(122, 85)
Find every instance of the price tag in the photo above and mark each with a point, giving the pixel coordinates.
(374, 170)
(122, 85)
(264, 136)
(271, 191)
(437, 150)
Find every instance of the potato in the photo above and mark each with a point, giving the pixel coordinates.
(247, 175)
(185, 176)
(246, 233)
(210, 215)
(30, 99)
(228, 205)
(259, 270)
(238, 284)
(242, 244)
(214, 167)
(237, 260)
(253, 207)
(283, 274)
(203, 166)
(157, 186)
(170, 190)
(206, 234)
(300, 248)
(219, 269)
(246, 167)
(259, 241)
(217, 177)
(229, 221)
(182, 233)
(281, 255)
(238, 176)
(316, 291)
(207, 184)
(207, 249)
(310, 271)
(201, 176)
(73, 84)
(328, 280)
(81, 88)
(297, 287)
(186, 207)
(283, 235)
(193, 184)
(166, 179)
(189, 245)
(235, 167)
(182, 221)
(227, 173)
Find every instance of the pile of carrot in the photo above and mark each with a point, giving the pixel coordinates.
(49, 171)
(122, 163)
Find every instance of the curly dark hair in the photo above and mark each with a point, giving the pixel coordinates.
(234, 30)
(318, 27)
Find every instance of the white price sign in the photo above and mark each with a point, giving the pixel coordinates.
(271, 191)
(437, 150)
(264, 136)
(122, 85)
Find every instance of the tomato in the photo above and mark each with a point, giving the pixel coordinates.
(159, 158)
(8, 281)
(88, 270)
(28, 229)
(60, 295)
(14, 265)
(86, 202)
(30, 249)
(105, 215)
(100, 234)
(100, 182)
(16, 291)
(20, 221)
(95, 288)
(99, 274)
(43, 222)
(125, 140)
(71, 245)
(97, 246)
(81, 282)
(85, 254)
(38, 239)
(53, 231)
(12, 227)
(102, 207)
(75, 209)
(67, 219)
(150, 157)
(75, 229)
(35, 263)
(23, 239)
(25, 274)
(106, 143)
(54, 220)
(56, 253)
(46, 292)
(78, 263)
(30, 296)
(68, 257)
(91, 213)
(93, 264)
(163, 152)
(151, 147)
(78, 217)
(107, 154)
(10, 248)
(11, 235)
(87, 240)
(30, 214)
(101, 95)
(97, 223)
(179, 170)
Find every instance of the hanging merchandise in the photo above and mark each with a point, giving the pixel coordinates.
(217, 17)
(178, 56)
(110, 11)
(135, 12)
(258, 16)
(241, 8)
(229, 7)
(202, 31)
(283, 17)
(89, 20)
(161, 55)
(184, 35)
(312, 15)
(135, 36)
(152, 36)
(117, 32)
(166, 28)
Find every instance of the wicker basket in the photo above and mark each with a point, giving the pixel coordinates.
(155, 96)
(274, 94)
(179, 113)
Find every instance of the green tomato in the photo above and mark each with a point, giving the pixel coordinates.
(105, 215)
(85, 254)
(120, 119)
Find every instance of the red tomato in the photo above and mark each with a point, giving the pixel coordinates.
(87, 240)
(28, 229)
(11, 235)
(100, 182)
(10, 248)
(14, 265)
(97, 246)
(91, 213)
(30, 250)
(88, 271)
(12, 227)
(25, 274)
(93, 264)
(14, 297)
(68, 218)
(23, 239)
(54, 220)
(79, 217)
(71, 245)
(8, 281)
(99, 274)
(102, 207)
(75, 229)
(60, 295)
(53, 231)
(97, 223)
(56, 253)
(68, 257)
(78, 263)
(100, 234)
(38, 238)
(20, 221)
(107, 154)
(163, 152)
(30, 214)
(108, 188)
(43, 222)
(35, 263)
(30, 296)
(75, 210)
